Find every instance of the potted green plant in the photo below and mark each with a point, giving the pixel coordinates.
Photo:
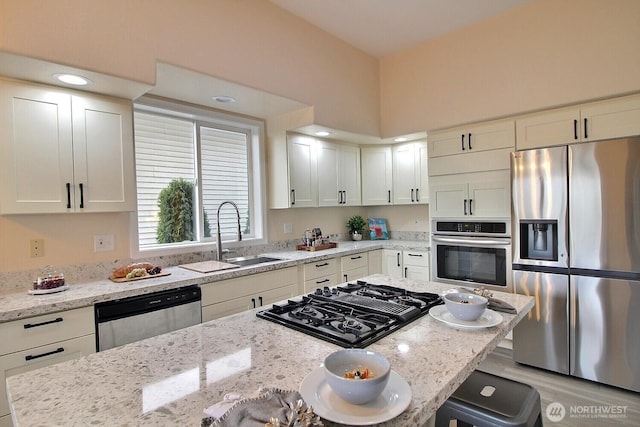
(356, 225)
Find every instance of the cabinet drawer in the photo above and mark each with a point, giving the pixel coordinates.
(40, 330)
(226, 290)
(320, 282)
(314, 270)
(350, 262)
(417, 258)
(39, 357)
(248, 302)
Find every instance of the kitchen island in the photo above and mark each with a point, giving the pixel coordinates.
(171, 378)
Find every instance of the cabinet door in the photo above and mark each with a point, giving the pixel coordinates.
(103, 155)
(375, 261)
(392, 263)
(490, 194)
(349, 175)
(39, 357)
(35, 149)
(447, 142)
(275, 295)
(328, 156)
(404, 184)
(611, 119)
(491, 136)
(376, 175)
(422, 173)
(416, 272)
(549, 128)
(448, 199)
(303, 177)
(226, 308)
(355, 274)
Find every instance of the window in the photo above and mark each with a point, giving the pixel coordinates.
(188, 161)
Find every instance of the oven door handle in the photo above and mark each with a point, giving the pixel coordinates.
(475, 241)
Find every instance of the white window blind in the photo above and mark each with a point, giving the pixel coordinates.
(164, 148)
(225, 176)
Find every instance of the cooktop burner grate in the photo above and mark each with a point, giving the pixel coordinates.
(354, 315)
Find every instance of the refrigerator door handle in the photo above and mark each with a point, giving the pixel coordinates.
(573, 315)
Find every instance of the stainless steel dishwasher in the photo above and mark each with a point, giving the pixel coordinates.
(126, 320)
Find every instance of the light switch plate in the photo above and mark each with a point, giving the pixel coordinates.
(288, 228)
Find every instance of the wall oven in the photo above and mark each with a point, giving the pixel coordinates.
(472, 253)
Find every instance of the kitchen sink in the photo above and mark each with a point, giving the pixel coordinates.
(250, 260)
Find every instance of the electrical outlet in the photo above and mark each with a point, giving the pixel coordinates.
(37, 248)
(103, 243)
(288, 228)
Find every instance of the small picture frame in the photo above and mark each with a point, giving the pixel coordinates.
(378, 229)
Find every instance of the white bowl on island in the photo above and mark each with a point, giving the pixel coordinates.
(357, 375)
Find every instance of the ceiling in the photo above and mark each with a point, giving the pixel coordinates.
(383, 27)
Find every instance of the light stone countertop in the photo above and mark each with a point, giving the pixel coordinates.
(171, 378)
(18, 305)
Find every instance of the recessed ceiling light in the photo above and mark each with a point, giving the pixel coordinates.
(323, 133)
(72, 79)
(224, 99)
(400, 139)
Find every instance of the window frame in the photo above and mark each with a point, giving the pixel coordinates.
(257, 172)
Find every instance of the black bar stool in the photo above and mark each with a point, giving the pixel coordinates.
(489, 400)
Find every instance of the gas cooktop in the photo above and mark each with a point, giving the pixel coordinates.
(354, 315)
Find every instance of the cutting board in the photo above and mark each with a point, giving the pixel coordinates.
(208, 266)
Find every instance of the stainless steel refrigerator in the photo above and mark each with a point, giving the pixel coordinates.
(576, 249)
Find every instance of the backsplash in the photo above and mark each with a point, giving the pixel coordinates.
(77, 273)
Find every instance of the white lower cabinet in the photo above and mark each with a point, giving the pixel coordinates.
(392, 263)
(226, 297)
(40, 341)
(406, 264)
(375, 261)
(320, 274)
(353, 267)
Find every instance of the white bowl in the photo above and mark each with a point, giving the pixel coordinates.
(465, 306)
(356, 391)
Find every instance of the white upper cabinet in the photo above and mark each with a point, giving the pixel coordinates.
(476, 148)
(64, 151)
(410, 174)
(479, 195)
(472, 139)
(377, 177)
(613, 118)
(338, 174)
(303, 173)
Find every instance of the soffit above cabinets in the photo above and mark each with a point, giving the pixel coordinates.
(39, 71)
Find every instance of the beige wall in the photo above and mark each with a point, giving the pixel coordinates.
(543, 54)
(251, 42)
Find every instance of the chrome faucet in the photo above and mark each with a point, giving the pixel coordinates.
(219, 237)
